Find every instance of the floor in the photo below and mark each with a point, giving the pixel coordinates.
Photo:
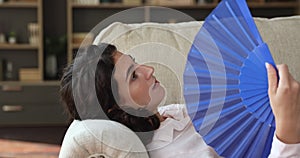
(23, 149)
(31, 142)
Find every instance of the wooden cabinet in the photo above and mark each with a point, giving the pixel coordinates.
(82, 18)
(33, 101)
(27, 105)
(24, 20)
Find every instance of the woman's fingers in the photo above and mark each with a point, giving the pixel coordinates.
(284, 75)
(272, 78)
(284, 94)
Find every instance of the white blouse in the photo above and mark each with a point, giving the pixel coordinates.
(176, 137)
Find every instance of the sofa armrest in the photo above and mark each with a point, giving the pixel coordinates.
(101, 137)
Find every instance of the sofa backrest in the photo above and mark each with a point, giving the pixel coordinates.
(165, 46)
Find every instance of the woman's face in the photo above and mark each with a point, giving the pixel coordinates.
(137, 87)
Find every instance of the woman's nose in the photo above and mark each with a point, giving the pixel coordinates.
(148, 71)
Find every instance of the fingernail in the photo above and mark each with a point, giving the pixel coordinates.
(267, 65)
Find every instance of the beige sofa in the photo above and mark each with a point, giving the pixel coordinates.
(165, 46)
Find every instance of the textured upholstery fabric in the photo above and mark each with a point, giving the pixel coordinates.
(165, 46)
(283, 37)
(96, 138)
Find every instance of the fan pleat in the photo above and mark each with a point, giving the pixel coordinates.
(263, 54)
(227, 111)
(225, 85)
(254, 105)
(258, 145)
(249, 96)
(192, 89)
(270, 120)
(265, 112)
(214, 63)
(252, 75)
(258, 55)
(230, 106)
(217, 33)
(247, 140)
(245, 16)
(257, 108)
(211, 119)
(252, 83)
(254, 63)
(215, 135)
(232, 74)
(242, 27)
(232, 137)
(224, 49)
(217, 80)
(233, 37)
(229, 103)
(244, 88)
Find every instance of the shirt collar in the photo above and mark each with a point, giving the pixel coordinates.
(177, 120)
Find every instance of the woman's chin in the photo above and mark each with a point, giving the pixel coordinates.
(157, 100)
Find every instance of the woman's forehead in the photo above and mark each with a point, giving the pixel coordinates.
(122, 63)
(117, 55)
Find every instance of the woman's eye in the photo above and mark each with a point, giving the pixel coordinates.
(134, 76)
(133, 59)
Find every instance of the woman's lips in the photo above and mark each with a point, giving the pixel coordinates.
(156, 83)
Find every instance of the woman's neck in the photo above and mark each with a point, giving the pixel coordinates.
(161, 118)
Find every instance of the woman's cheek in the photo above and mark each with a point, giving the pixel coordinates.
(139, 94)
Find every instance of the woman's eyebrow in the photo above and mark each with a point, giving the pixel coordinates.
(129, 70)
(131, 57)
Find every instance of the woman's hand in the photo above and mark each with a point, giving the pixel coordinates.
(284, 97)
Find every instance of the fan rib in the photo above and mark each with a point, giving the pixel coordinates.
(245, 143)
(246, 15)
(252, 88)
(230, 34)
(270, 120)
(250, 96)
(224, 145)
(227, 111)
(240, 25)
(200, 72)
(218, 131)
(264, 112)
(230, 105)
(203, 105)
(261, 138)
(230, 110)
(240, 56)
(258, 110)
(251, 75)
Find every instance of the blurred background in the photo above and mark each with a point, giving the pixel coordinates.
(38, 38)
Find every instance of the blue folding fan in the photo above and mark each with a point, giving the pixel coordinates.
(226, 86)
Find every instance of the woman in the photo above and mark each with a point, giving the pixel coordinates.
(129, 93)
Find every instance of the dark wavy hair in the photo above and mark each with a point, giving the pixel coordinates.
(105, 85)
